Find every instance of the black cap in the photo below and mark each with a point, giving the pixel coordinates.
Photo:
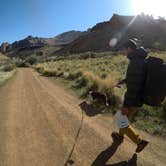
(130, 44)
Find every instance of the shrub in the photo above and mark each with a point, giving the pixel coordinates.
(21, 63)
(101, 74)
(49, 73)
(40, 53)
(31, 60)
(81, 82)
(8, 67)
(66, 75)
(59, 74)
(40, 69)
(76, 75)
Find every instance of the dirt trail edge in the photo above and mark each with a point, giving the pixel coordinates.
(39, 121)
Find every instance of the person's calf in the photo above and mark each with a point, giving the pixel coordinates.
(116, 137)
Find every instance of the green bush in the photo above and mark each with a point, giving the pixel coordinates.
(49, 73)
(31, 60)
(40, 69)
(8, 67)
(81, 82)
(21, 63)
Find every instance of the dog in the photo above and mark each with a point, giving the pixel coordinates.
(99, 97)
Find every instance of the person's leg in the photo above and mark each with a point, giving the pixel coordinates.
(131, 133)
(129, 130)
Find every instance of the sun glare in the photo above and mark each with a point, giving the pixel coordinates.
(151, 7)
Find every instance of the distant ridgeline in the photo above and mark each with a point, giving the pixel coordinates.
(36, 43)
(149, 31)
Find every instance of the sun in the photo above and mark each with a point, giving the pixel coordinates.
(151, 7)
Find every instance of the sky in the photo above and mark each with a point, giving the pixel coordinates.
(48, 18)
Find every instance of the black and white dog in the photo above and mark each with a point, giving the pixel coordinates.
(99, 97)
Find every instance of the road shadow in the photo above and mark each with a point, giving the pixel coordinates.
(91, 109)
(105, 155)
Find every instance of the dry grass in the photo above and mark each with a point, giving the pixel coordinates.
(101, 74)
(7, 69)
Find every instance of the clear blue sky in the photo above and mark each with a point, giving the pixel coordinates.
(47, 18)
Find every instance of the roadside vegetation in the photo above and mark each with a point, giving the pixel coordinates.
(7, 69)
(101, 72)
(26, 61)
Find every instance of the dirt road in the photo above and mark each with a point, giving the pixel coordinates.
(38, 123)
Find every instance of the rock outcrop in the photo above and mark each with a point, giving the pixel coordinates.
(105, 36)
(4, 47)
(31, 43)
(151, 32)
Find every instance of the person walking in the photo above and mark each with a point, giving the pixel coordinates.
(133, 99)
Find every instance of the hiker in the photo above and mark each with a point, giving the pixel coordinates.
(133, 99)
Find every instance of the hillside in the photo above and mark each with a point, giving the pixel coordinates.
(149, 31)
(32, 44)
(152, 33)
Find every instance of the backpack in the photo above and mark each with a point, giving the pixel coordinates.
(155, 82)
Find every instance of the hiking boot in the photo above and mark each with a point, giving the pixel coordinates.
(117, 137)
(141, 146)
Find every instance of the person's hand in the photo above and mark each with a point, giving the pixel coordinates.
(124, 110)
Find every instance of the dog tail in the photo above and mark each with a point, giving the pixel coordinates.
(106, 102)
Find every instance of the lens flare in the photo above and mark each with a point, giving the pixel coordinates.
(113, 42)
(118, 36)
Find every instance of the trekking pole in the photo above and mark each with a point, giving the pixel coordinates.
(69, 161)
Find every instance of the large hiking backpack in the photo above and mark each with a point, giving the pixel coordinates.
(155, 83)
